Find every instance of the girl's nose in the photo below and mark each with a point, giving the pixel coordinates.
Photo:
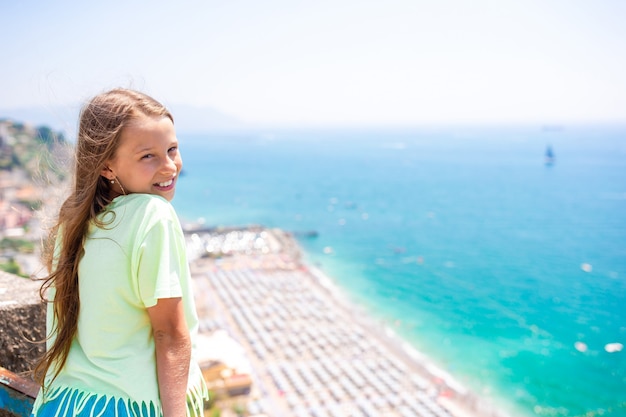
(170, 165)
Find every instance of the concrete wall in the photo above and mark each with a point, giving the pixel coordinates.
(22, 323)
(22, 342)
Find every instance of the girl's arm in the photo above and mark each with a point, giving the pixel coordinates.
(173, 354)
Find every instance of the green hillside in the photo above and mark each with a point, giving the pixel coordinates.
(32, 149)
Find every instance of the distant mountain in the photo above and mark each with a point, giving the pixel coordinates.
(188, 119)
(58, 118)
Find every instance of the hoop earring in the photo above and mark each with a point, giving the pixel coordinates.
(118, 181)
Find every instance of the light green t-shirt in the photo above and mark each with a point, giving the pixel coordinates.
(138, 257)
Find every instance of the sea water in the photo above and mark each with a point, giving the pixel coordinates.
(507, 271)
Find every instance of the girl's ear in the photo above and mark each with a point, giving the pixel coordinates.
(107, 173)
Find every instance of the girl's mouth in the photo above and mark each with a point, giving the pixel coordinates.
(166, 183)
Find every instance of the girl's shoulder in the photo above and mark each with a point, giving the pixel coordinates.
(143, 207)
(140, 201)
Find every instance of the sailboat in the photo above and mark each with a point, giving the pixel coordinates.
(549, 158)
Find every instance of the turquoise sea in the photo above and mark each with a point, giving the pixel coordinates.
(509, 273)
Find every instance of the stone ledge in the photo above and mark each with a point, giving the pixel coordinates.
(23, 323)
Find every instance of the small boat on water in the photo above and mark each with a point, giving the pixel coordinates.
(309, 234)
(549, 157)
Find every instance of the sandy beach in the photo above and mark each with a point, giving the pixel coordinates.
(308, 350)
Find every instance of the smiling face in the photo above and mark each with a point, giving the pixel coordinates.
(147, 159)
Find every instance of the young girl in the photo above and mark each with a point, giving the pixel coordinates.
(122, 323)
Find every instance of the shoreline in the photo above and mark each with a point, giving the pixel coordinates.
(297, 328)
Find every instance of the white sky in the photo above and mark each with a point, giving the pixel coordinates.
(320, 62)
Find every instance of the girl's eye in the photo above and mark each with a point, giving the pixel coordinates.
(172, 149)
(147, 156)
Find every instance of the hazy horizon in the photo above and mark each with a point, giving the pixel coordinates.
(324, 64)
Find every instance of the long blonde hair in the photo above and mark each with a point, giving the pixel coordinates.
(102, 120)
